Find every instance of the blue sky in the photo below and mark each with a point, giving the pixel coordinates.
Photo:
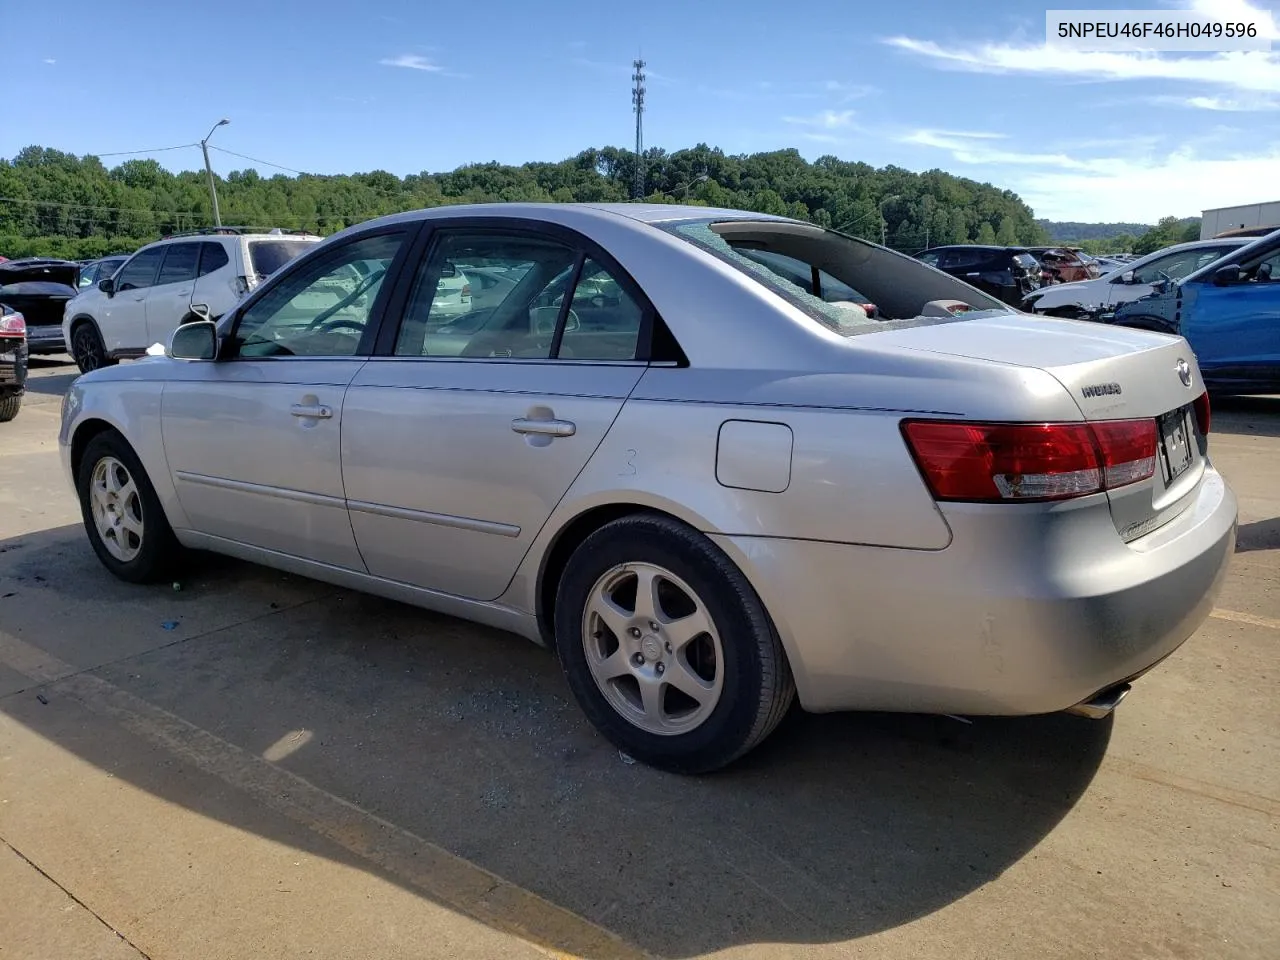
(408, 86)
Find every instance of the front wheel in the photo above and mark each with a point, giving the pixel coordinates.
(9, 407)
(122, 514)
(87, 349)
(666, 646)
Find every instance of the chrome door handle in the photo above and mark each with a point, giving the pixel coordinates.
(314, 411)
(546, 428)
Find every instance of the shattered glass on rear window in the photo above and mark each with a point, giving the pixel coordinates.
(834, 318)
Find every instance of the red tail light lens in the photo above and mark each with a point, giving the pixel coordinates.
(999, 462)
(466, 290)
(13, 325)
(1202, 413)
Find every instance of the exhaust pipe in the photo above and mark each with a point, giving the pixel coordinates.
(1101, 705)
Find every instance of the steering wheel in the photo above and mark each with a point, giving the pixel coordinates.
(346, 301)
(338, 324)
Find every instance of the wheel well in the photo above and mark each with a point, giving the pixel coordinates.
(84, 433)
(80, 321)
(567, 541)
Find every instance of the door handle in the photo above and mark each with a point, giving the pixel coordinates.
(545, 428)
(313, 411)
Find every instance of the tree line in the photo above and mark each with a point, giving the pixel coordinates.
(54, 203)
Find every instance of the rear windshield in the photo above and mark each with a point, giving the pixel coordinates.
(1026, 261)
(268, 256)
(859, 287)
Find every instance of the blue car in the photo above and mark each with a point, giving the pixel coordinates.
(1228, 311)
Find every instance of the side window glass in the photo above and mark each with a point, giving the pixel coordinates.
(179, 263)
(603, 322)
(486, 295)
(322, 309)
(140, 272)
(930, 258)
(213, 256)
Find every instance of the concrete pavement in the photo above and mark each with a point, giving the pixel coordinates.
(292, 770)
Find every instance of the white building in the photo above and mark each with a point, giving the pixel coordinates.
(1214, 222)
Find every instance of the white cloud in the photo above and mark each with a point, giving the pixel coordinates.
(50, 60)
(1239, 11)
(411, 61)
(978, 149)
(1233, 105)
(1244, 70)
(1145, 189)
(827, 120)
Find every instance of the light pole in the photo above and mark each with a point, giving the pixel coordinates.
(691, 184)
(213, 191)
(878, 213)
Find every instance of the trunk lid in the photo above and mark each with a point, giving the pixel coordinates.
(1112, 373)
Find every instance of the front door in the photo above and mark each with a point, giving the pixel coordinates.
(170, 299)
(1235, 329)
(254, 440)
(459, 444)
(123, 323)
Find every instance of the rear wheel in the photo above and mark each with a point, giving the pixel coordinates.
(87, 348)
(122, 514)
(9, 407)
(666, 646)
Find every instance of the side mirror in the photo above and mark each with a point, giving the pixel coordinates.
(1227, 275)
(107, 286)
(194, 341)
(1161, 286)
(1128, 277)
(201, 310)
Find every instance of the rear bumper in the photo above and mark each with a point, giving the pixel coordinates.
(47, 339)
(13, 365)
(1025, 612)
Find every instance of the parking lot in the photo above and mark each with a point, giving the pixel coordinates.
(248, 763)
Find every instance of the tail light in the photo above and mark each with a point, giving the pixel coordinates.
(13, 325)
(1202, 413)
(466, 291)
(1000, 462)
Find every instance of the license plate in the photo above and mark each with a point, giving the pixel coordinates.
(1177, 447)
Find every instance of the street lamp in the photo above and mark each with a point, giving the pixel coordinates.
(213, 191)
(691, 184)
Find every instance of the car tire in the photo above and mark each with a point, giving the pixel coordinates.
(87, 349)
(122, 515)
(9, 407)
(634, 681)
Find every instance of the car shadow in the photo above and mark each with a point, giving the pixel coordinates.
(42, 378)
(1246, 416)
(1258, 535)
(837, 827)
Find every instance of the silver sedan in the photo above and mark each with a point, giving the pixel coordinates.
(677, 451)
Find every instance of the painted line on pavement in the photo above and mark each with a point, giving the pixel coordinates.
(1236, 617)
(447, 878)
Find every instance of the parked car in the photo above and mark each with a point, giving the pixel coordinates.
(1228, 311)
(155, 289)
(13, 361)
(1128, 281)
(1247, 232)
(39, 289)
(1065, 264)
(710, 493)
(1007, 273)
(91, 271)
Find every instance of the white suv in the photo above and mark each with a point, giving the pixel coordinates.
(154, 291)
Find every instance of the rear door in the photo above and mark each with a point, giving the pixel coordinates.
(169, 300)
(456, 447)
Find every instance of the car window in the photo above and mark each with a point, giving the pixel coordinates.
(213, 256)
(179, 263)
(268, 256)
(88, 276)
(140, 272)
(1265, 269)
(322, 309)
(449, 315)
(1026, 261)
(603, 322)
(930, 258)
(958, 259)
